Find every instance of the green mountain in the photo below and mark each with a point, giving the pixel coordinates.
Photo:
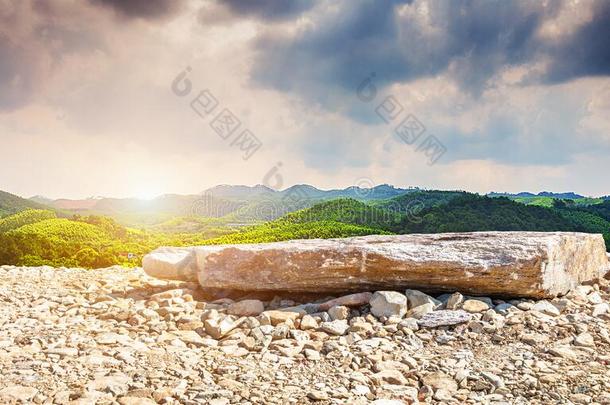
(348, 211)
(418, 200)
(440, 211)
(602, 209)
(547, 199)
(11, 204)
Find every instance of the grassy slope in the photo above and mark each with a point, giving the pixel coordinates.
(11, 204)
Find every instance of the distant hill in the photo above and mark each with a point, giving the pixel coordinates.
(419, 200)
(547, 199)
(347, 210)
(306, 191)
(142, 213)
(565, 196)
(456, 211)
(234, 204)
(602, 209)
(11, 204)
(241, 192)
(40, 199)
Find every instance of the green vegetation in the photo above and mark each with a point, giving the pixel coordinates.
(472, 212)
(602, 209)
(96, 241)
(35, 237)
(12, 204)
(285, 230)
(348, 211)
(24, 218)
(418, 200)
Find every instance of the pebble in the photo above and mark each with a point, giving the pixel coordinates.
(474, 306)
(76, 336)
(388, 303)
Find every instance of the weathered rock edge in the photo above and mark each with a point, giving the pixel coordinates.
(525, 264)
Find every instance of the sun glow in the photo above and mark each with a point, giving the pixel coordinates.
(147, 193)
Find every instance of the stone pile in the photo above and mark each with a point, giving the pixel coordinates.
(119, 336)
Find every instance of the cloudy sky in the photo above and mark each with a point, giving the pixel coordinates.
(143, 97)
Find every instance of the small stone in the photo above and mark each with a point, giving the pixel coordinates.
(444, 318)
(128, 400)
(440, 380)
(600, 309)
(338, 312)
(563, 351)
(246, 308)
(317, 395)
(277, 316)
(410, 323)
(337, 328)
(415, 298)
(454, 301)
(504, 308)
(393, 377)
(546, 308)
(311, 354)
(421, 310)
(308, 322)
(388, 303)
(495, 380)
(219, 328)
(475, 306)
(594, 298)
(17, 393)
(585, 340)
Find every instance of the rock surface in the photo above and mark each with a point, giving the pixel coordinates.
(73, 336)
(534, 264)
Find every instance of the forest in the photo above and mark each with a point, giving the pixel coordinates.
(34, 235)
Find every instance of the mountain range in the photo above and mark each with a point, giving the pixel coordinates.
(567, 195)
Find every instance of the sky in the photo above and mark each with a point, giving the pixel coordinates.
(145, 97)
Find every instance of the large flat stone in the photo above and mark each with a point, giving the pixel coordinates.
(534, 264)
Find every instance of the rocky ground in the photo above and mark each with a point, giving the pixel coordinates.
(118, 336)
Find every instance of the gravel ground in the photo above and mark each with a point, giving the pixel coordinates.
(118, 336)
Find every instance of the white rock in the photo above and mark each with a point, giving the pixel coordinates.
(600, 309)
(595, 298)
(585, 340)
(546, 308)
(474, 306)
(339, 312)
(17, 393)
(421, 310)
(415, 298)
(219, 328)
(444, 318)
(309, 322)
(246, 308)
(338, 327)
(388, 303)
(454, 301)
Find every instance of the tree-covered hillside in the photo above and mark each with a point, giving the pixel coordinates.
(11, 204)
(349, 211)
(39, 237)
(418, 200)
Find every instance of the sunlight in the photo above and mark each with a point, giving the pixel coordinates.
(147, 192)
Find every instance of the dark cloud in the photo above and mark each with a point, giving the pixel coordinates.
(146, 9)
(587, 52)
(470, 40)
(268, 9)
(35, 38)
(344, 46)
(20, 74)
